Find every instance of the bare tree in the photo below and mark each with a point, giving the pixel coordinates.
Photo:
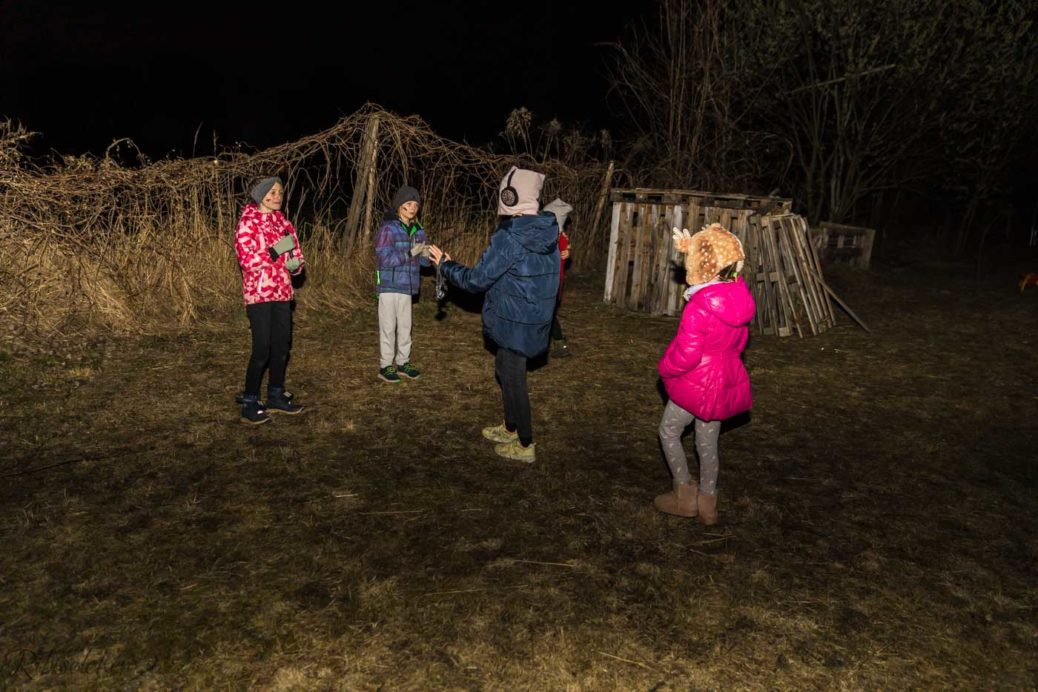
(855, 89)
(676, 82)
(833, 101)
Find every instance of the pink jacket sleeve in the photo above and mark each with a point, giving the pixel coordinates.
(686, 350)
(247, 246)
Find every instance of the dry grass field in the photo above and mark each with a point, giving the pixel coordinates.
(878, 509)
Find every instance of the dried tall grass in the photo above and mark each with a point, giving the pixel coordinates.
(92, 246)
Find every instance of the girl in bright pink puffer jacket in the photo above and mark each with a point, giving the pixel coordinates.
(702, 369)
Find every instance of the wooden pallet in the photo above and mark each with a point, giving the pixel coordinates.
(645, 273)
(837, 242)
(783, 270)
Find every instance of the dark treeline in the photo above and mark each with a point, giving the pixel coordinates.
(911, 116)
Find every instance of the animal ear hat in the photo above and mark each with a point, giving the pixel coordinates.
(708, 252)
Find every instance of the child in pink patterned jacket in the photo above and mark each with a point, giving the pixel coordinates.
(702, 369)
(268, 252)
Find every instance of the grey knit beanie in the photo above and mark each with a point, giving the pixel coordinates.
(260, 189)
(405, 194)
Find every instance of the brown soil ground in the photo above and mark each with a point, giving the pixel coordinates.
(878, 510)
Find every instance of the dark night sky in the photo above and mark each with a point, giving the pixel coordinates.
(83, 74)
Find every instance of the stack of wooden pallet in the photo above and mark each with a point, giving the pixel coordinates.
(784, 274)
(646, 273)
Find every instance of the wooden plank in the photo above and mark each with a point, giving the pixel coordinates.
(653, 262)
(623, 265)
(777, 293)
(649, 256)
(791, 276)
(614, 237)
(797, 282)
(769, 321)
(642, 263)
(707, 215)
(843, 304)
(682, 196)
(788, 307)
(739, 223)
(660, 273)
(670, 260)
(815, 267)
(725, 218)
(674, 288)
(638, 238)
(807, 286)
(695, 221)
(749, 270)
(621, 240)
(808, 258)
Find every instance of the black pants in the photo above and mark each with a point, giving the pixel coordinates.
(556, 328)
(510, 368)
(271, 325)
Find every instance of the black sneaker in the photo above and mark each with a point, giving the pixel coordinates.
(410, 370)
(278, 403)
(388, 374)
(252, 412)
(239, 398)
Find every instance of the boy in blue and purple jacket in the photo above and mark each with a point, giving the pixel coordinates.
(401, 248)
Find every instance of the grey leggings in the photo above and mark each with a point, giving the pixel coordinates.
(675, 420)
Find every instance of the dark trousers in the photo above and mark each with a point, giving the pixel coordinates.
(271, 325)
(510, 368)
(556, 328)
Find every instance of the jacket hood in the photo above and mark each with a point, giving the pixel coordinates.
(251, 209)
(560, 209)
(538, 233)
(729, 301)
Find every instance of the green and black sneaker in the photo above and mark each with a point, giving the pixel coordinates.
(388, 374)
(410, 370)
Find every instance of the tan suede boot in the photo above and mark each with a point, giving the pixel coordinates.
(681, 501)
(707, 509)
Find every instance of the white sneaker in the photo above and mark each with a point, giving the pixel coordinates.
(514, 450)
(499, 433)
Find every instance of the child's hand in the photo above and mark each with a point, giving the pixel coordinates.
(564, 254)
(437, 255)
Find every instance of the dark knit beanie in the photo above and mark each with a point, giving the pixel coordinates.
(405, 194)
(260, 189)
